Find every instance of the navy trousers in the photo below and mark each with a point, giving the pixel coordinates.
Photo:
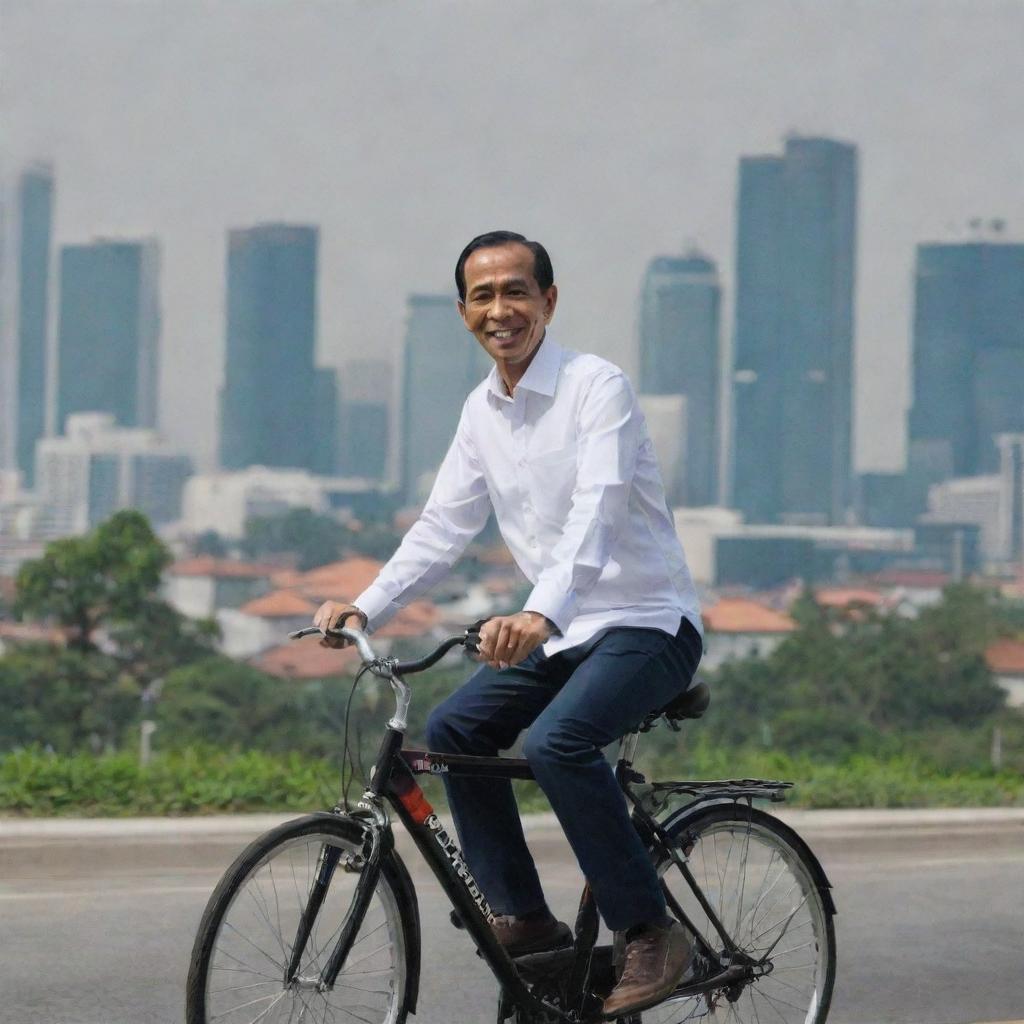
(572, 705)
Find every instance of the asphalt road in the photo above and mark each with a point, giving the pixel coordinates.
(97, 920)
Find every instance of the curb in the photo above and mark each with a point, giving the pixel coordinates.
(157, 829)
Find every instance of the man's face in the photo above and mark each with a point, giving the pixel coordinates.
(504, 307)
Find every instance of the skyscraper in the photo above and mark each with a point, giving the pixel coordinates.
(109, 331)
(679, 353)
(365, 413)
(35, 209)
(794, 333)
(442, 364)
(968, 355)
(268, 405)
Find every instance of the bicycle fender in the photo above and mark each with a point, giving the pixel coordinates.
(686, 815)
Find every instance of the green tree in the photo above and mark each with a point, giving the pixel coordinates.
(64, 698)
(83, 583)
(313, 538)
(158, 638)
(217, 700)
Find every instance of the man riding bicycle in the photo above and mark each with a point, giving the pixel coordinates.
(554, 442)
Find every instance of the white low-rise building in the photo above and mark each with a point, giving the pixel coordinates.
(97, 468)
(223, 502)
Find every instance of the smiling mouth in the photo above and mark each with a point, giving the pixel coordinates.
(506, 334)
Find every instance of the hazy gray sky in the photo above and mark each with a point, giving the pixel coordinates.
(610, 130)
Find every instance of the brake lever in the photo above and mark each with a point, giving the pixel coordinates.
(472, 644)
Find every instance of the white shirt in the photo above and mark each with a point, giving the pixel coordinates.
(568, 467)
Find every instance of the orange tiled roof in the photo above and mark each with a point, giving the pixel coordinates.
(416, 619)
(279, 604)
(206, 565)
(912, 578)
(306, 659)
(339, 581)
(1006, 657)
(31, 632)
(740, 615)
(843, 597)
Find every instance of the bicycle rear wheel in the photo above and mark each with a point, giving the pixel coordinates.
(766, 888)
(246, 936)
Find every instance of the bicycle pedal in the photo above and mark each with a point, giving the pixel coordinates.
(546, 964)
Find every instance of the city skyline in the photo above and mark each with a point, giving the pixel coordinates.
(398, 182)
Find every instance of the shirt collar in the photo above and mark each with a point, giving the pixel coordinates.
(541, 375)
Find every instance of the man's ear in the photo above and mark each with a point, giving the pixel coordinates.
(461, 307)
(551, 300)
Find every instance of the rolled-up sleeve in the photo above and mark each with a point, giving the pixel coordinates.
(454, 514)
(609, 434)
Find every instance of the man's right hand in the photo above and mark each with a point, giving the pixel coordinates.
(332, 615)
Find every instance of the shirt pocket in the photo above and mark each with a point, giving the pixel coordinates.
(552, 482)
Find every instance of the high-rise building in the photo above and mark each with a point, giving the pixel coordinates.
(365, 415)
(1011, 479)
(793, 352)
(109, 331)
(679, 355)
(442, 364)
(325, 422)
(35, 210)
(98, 468)
(968, 357)
(267, 401)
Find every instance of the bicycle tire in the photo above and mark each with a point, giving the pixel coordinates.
(773, 888)
(251, 909)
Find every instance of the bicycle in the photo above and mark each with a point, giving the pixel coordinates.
(317, 920)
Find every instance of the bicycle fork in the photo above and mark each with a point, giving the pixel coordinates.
(369, 875)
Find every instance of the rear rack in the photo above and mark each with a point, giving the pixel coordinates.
(654, 797)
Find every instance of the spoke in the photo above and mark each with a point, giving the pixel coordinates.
(239, 988)
(265, 913)
(785, 899)
(771, 1006)
(785, 1002)
(366, 991)
(784, 927)
(753, 1006)
(763, 893)
(795, 967)
(252, 1002)
(743, 881)
(778, 981)
(243, 967)
(793, 949)
(358, 1016)
(245, 938)
(277, 908)
(792, 931)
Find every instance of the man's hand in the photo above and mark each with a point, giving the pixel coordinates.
(332, 615)
(506, 639)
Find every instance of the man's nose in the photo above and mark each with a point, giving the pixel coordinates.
(500, 309)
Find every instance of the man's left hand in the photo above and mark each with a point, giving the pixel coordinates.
(506, 639)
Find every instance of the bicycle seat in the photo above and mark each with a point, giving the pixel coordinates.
(691, 703)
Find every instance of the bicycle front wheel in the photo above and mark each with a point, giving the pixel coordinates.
(239, 972)
(766, 889)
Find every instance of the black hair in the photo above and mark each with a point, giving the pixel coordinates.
(542, 271)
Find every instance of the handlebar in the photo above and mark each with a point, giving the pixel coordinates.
(469, 639)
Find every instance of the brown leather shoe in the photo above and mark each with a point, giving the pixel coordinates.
(521, 935)
(655, 962)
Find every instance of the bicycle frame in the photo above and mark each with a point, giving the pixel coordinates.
(392, 781)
